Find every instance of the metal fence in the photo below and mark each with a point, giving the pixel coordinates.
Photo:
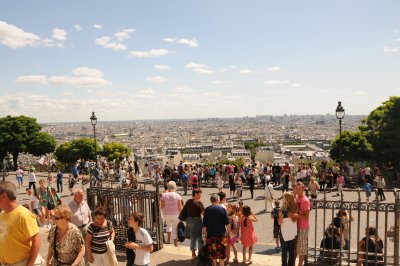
(384, 216)
(120, 203)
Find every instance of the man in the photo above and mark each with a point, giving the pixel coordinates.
(303, 207)
(19, 234)
(81, 214)
(222, 200)
(215, 230)
(185, 181)
(59, 181)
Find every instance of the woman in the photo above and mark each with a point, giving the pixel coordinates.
(98, 233)
(66, 244)
(371, 244)
(43, 194)
(251, 181)
(313, 187)
(171, 206)
(288, 224)
(238, 185)
(143, 244)
(193, 210)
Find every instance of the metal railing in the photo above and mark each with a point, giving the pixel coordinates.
(120, 203)
(384, 216)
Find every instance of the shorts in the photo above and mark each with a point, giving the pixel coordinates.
(233, 240)
(368, 193)
(232, 187)
(302, 239)
(20, 179)
(216, 247)
(276, 231)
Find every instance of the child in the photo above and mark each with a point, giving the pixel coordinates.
(143, 244)
(56, 197)
(35, 204)
(50, 180)
(277, 227)
(247, 232)
(340, 181)
(367, 188)
(233, 235)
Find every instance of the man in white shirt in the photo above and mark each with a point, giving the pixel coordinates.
(269, 196)
(32, 180)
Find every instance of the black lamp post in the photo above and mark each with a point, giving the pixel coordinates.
(340, 116)
(93, 120)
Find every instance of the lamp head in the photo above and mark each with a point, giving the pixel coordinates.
(93, 119)
(340, 111)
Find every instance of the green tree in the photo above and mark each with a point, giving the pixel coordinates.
(41, 144)
(18, 133)
(355, 147)
(84, 148)
(382, 130)
(115, 151)
(252, 146)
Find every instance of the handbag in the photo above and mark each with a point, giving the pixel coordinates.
(183, 214)
(112, 256)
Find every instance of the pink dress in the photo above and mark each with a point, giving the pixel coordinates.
(247, 233)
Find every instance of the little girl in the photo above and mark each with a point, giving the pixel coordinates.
(234, 233)
(247, 232)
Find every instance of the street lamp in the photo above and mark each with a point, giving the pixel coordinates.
(340, 116)
(93, 120)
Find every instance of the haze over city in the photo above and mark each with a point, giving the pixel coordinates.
(137, 60)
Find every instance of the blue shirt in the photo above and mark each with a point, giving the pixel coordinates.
(367, 187)
(215, 219)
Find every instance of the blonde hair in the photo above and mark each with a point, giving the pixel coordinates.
(288, 202)
(64, 211)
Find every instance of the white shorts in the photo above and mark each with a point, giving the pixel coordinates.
(172, 224)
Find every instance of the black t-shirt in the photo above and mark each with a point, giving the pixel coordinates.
(215, 219)
(330, 243)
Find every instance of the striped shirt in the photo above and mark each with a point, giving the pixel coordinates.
(100, 235)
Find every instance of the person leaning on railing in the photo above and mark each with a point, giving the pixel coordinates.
(372, 245)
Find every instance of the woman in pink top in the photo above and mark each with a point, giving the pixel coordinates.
(171, 206)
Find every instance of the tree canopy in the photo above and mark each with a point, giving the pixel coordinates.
(21, 134)
(82, 148)
(355, 147)
(115, 151)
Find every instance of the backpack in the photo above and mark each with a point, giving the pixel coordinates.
(181, 231)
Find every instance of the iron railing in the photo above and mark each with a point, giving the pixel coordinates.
(384, 216)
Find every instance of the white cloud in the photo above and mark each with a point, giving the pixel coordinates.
(189, 42)
(40, 79)
(103, 40)
(157, 79)
(146, 93)
(59, 35)
(161, 67)
(78, 27)
(245, 71)
(97, 26)
(296, 85)
(324, 91)
(67, 93)
(275, 69)
(14, 37)
(276, 82)
(199, 68)
(151, 53)
(116, 46)
(217, 82)
(391, 50)
(124, 34)
(179, 90)
(83, 77)
(359, 93)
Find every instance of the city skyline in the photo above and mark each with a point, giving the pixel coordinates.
(134, 60)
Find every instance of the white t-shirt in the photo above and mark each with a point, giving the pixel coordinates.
(32, 177)
(35, 202)
(269, 191)
(20, 173)
(143, 238)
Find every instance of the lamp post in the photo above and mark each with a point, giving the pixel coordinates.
(340, 116)
(93, 120)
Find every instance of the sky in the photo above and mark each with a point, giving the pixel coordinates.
(139, 60)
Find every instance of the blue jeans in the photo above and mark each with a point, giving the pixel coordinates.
(287, 247)
(195, 227)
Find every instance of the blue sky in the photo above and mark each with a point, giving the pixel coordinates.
(131, 60)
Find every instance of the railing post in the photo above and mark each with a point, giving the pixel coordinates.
(396, 227)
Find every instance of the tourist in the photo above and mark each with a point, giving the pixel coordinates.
(34, 206)
(247, 232)
(288, 230)
(234, 233)
(50, 180)
(59, 181)
(380, 185)
(373, 245)
(313, 187)
(232, 186)
(171, 206)
(143, 244)
(340, 183)
(194, 180)
(215, 230)
(251, 181)
(32, 180)
(222, 200)
(185, 182)
(20, 240)
(367, 188)
(44, 197)
(303, 206)
(193, 210)
(19, 174)
(238, 185)
(81, 214)
(331, 238)
(66, 244)
(276, 229)
(98, 232)
(269, 196)
(219, 181)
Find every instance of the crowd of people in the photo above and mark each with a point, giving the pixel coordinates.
(76, 236)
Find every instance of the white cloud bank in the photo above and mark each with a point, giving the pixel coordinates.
(189, 42)
(40, 79)
(161, 67)
(157, 79)
(391, 49)
(245, 71)
(275, 69)
(151, 53)
(115, 42)
(199, 69)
